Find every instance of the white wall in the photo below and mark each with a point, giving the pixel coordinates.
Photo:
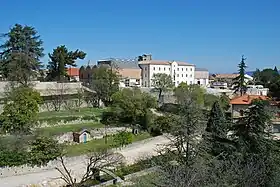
(182, 73)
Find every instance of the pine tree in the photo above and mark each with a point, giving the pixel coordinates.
(20, 58)
(59, 59)
(240, 80)
(216, 130)
(276, 71)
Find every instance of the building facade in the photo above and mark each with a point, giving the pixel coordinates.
(179, 71)
(201, 77)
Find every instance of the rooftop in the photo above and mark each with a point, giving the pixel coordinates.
(247, 99)
(163, 62)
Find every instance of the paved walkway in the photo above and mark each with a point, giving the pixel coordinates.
(132, 153)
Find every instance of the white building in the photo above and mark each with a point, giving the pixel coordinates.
(201, 77)
(179, 71)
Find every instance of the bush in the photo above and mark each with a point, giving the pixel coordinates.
(170, 108)
(88, 118)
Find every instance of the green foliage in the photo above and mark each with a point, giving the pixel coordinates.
(163, 124)
(161, 83)
(105, 82)
(209, 100)
(216, 130)
(20, 111)
(122, 139)
(240, 80)
(43, 150)
(189, 93)
(224, 102)
(131, 105)
(22, 50)
(59, 60)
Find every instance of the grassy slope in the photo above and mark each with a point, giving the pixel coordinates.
(83, 148)
(57, 130)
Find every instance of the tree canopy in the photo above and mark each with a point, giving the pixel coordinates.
(161, 83)
(240, 80)
(60, 59)
(105, 82)
(21, 53)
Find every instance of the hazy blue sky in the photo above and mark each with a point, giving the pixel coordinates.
(209, 33)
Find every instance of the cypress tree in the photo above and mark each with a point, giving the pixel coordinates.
(240, 80)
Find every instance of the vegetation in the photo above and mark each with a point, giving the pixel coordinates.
(59, 60)
(122, 139)
(161, 83)
(240, 80)
(20, 111)
(80, 149)
(105, 82)
(21, 53)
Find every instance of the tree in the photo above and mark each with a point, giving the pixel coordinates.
(105, 82)
(122, 139)
(20, 111)
(43, 150)
(216, 130)
(257, 77)
(193, 93)
(240, 80)
(161, 83)
(59, 60)
(209, 100)
(20, 58)
(276, 70)
(100, 160)
(224, 102)
(131, 105)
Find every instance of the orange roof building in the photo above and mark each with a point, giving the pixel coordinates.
(73, 72)
(247, 99)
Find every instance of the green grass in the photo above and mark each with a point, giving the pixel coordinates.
(83, 148)
(57, 130)
(82, 112)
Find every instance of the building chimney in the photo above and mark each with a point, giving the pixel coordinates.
(146, 57)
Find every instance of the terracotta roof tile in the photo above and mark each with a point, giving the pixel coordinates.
(247, 99)
(73, 71)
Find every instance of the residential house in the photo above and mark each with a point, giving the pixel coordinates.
(201, 77)
(73, 73)
(227, 78)
(241, 103)
(179, 71)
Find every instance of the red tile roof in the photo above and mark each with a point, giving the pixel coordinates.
(247, 99)
(73, 72)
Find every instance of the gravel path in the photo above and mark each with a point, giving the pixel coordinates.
(132, 153)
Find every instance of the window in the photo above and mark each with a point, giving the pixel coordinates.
(154, 68)
(145, 68)
(163, 69)
(186, 69)
(186, 75)
(177, 69)
(198, 82)
(169, 69)
(182, 75)
(159, 68)
(177, 82)
(182, 69)
(190, 82)
(191, 69)
(145, 84)
(145, 75)
(190, 75)
(177, 75)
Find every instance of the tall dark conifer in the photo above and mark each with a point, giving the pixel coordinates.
(240, 80)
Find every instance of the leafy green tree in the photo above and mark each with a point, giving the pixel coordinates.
(240, 80)
(43, 150)
(161, 83)
(216, 130)
(224, 102)
(105, 82)
(129, 106)
(209, 100)
(20, 111)
(122, 139)
(21, 53)
(274, 89)
(60, 59)
(192, 93)
(257, 76)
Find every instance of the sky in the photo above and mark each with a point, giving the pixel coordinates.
(212, 34)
